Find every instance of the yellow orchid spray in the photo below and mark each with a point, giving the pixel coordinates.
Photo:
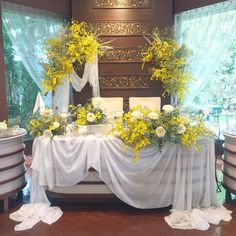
(169, 62)
(76, 43)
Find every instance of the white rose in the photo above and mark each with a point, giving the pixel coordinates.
(136, 114)
(56, 124)
(3, 125)
(168, 108)
(160, 131)
(181, 129)
(90, 117)
(47, 133)
(153, 115)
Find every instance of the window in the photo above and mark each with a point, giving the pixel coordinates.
(210, 32)
(25, 32)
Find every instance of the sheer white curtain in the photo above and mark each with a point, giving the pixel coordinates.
(208, 32)
(29, 29)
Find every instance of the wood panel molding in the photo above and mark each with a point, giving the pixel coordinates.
(124, 81)
(122, 55)
(122, 3)
(123, 28)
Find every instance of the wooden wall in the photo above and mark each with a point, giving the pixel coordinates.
(122, 74)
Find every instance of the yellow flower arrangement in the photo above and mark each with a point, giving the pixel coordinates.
(169, 61)
(141, 127)
(76, 43)
(48, 124)
(88, 114)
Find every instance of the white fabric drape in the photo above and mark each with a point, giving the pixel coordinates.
(29, 29)
(62, 92)
(39, 104)
(208, 32)
(175, 176)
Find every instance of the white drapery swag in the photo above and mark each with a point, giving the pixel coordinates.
(208, 32)
(62, 92)
(29, 29)
(175, 176)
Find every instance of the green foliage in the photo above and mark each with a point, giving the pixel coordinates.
(220, 89)
(21, 89)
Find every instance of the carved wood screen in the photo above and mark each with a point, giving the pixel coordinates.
(123, 22)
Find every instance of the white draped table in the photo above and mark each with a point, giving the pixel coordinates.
(173, 176)
(183, 178)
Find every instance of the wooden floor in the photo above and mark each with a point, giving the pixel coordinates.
(110, 219)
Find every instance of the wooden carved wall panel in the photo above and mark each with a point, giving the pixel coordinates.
(123, 55)
(124, 81)
(124, 23)
(122, 3)
(123, 28)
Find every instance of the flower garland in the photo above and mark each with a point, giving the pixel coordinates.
(169, 62)
(141, 127)
(77, 43)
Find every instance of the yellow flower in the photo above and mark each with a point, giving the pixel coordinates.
(77, 42)
(170, 62)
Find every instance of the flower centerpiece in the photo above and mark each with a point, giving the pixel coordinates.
(169, 62)
(48, 124)
(141, 127)
(77, 43)
(91, 115)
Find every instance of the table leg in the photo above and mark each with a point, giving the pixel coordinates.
(228, 198)
(5, 204)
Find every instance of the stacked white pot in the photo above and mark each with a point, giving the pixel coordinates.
(229, 167)
(12, 169)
